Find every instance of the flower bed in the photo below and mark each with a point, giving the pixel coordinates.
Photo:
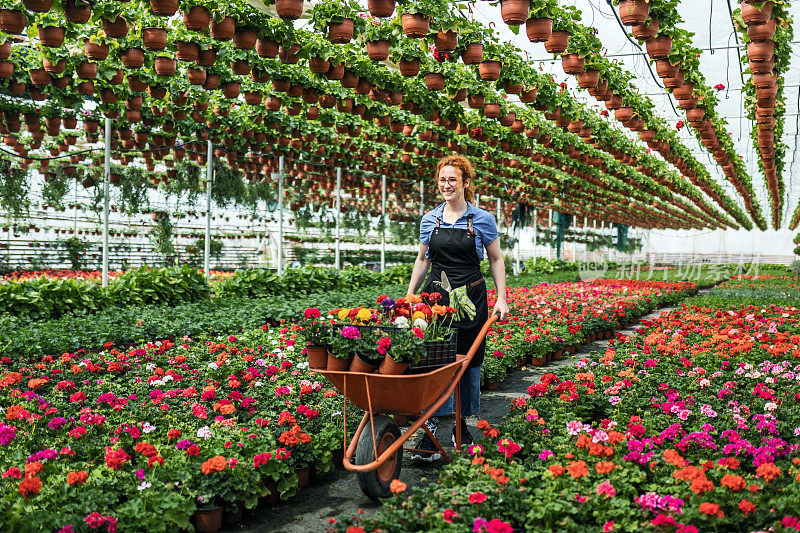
(139, 439)
(691, 425)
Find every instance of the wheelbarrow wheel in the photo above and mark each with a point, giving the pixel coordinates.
(375, 483)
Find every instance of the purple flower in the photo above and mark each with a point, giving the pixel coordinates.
(388, 304)
(7, 434)
(57, 422)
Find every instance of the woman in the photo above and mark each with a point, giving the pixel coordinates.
(452, 239)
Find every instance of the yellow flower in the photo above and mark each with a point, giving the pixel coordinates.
(364, 314)
(418, 314)
(343, 313)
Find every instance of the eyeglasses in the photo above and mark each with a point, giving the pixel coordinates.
(449, 181)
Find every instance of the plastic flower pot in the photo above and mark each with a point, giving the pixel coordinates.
(381, 8)
(645, 31)
(514, 12)
(317, 357)
(659, 47)
(557, 42)
(338, 364)
(197, 18)
(390, 367)
(538, 30)
(341, 32)
(365, 366)
(472, 54)
(303, 476)
(289, 9)
(753, 14)
(208, 520)
(224, 29)
(415, 25)
(633, 12)
(489, 70)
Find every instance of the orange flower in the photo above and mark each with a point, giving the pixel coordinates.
(397, 486)
(439, 310)
(578, 469)
(673, 457)
(711, 509)
(768, 471)
(701, 485)
(604, 467)
(746, 506)
(31, 469)
(215, 464)
(556, 470)
(77, 478)
(733, 482)
(30, 486)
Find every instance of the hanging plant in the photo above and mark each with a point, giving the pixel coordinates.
(340, 19)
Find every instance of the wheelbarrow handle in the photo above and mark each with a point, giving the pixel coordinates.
(475, 345)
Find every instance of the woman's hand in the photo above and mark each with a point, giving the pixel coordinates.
(501, 307)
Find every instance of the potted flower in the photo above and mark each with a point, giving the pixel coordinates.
(407, 55)
(539, 25)
(417, 15)
(371, 351)
(207, 485)
(340, 18)
(377, 37)
(406, 347)
(317, 335)
(344, 343)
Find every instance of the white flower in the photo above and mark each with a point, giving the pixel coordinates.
(167, 378)
(258, 384)
(150, 366)
(302, 365)
(213, 366)
(147, 427)
(401, 322)
(290, 348)
(144, 485)
(204, 433)
(421, 324)
(156, 383)
(275, 342)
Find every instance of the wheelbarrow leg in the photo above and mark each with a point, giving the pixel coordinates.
(457, 403)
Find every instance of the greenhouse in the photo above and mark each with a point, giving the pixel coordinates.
(399, 266)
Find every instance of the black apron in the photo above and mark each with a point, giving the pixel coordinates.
(452, 250)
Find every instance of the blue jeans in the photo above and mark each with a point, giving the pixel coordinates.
(470, 395)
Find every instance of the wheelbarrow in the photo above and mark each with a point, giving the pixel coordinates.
(375, 451)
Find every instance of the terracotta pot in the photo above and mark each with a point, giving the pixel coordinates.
(514, 12)
(492, 385)
(117, 28)
(633, 12)
(362, 365)
(303, 476)
(266, 48)
(624, 114)
(39, 76)
(38, 6)
(154, 39)
(95, 51)
(224, 29)
(572, 63)
(12, 21)
(528, 96)
(77, 13)
(762, 81)
(762, 67)
(52, 36)
(6, 69)
(665, 69)
(689, 103)
(196, 76)
(86, 70)
(240, 67)
(409, 68)
(695, 115)
(54, 68)
(197, 18)
(762, 32)
(378, 50)
(446, 41)
(589, 79)
(538, 29)
(337, 364)
(165, 66)
(675, 81)
(207, 520)
(491, 110)
(164, 8)
(489, 70)
(659, 47)
(647, 135)
(684, 91)
(381, 8)
(206, 57)
(187, 51)
(434, 81)
(289, 9)
(752, 14)
(317, 356)
(390, 367)
(557, 42)
(645, 32)
(476, 101)
(761, 51)
(132, 58)
(341, 32)
(472, 54)
(415, 25)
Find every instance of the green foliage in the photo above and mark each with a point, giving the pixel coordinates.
(75, 251)
(13, 190)
(41, 299)
(161, 236)
(196, 251)
(165, 286)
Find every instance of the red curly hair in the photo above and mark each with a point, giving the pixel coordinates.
(467, 170)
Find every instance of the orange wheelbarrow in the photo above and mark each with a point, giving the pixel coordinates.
(375, 451)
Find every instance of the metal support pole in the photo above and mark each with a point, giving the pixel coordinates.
(585, 238)
(383, 223)
(550, 232)
(498, 216)
(535, 232)
(106, 178)
(421, 197)
(209, 180)
(337, 256)
(280, 216)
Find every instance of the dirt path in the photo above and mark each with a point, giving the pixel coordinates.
(338, 493)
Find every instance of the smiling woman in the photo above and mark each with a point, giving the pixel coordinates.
(452, 239)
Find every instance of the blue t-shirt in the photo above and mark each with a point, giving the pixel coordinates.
(483, 222)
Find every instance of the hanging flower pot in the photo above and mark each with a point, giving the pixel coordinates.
(633, 12)
(588, 79)
(54, 68)
(77, 13)
(659, 47)
(572, 63)
(684, 91)
(624, 114)
(52, 36)
(289, 9)
(528, 96)
(289, 55)
(187, 51)
(381, 8)
(415, 25)
(38, 6)
(136, 84)
(39, 76)
(318, 64)
(762, 67)
(514, 12)
(224, 29)
(753, 14)
(240, 67)
(434, 81)
(86, 70)
(165, 66)
(489, 70)
(446, 41)
(762, 51)
(231, 89)
(645, 31)
(764, 80)
(154, 39)
(762, 32)
(12, 21)
(95, 51)
(557, 42)
(132, 58)
(675, 81)
(117, 28)
(665, 69)
(207, 57)
(245, 38)
(695, 115)
(539, 29)
(409, 68)
(197, 18)
(266, 48)
(341, 32)
(378, 50)
(688, 103)
(491, 110)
